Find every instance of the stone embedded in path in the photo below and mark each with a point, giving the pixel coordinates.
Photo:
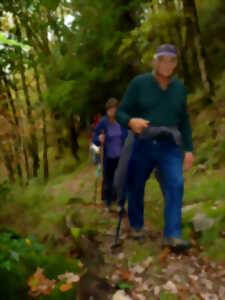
(195, 207)
(202, 222)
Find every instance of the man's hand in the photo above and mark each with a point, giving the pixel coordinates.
(101, 138)
(137, 125)
(188, 160)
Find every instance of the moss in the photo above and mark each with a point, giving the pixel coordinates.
(167, 296)
(216, 250)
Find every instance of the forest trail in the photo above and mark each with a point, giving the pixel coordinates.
(140, 268)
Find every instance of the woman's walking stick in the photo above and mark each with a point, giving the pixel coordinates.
(102, 169)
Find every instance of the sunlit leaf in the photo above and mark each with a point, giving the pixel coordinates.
(11, 42)
(75, 232)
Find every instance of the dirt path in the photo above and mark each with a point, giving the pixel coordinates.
(140, 268)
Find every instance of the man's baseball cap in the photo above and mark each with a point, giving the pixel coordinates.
(166, 50)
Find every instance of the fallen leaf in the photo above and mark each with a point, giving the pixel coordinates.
(193, 277)
(207, 283)
(121, 256)
(115, 278)
(146, 263)
(75, 231)
(28, 242)
(222, 292)
(69, 277)
(121, 295)
(140, 297)
(65, 287)
(138, 280)
(125, 275)
(165, 253)
(143, 287)
(171, 287)
(156, 290)
(196, 287)
(177, 278)
(207, 296)
(39, 284)
(138, 269)
(123, 236)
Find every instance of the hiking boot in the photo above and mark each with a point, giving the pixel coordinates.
(176, 244)
(137, 234)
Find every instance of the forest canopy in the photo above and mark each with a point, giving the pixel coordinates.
(64, 59)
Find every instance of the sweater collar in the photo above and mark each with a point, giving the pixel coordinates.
(172, 79)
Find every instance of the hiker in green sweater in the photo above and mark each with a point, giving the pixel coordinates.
(154, 107)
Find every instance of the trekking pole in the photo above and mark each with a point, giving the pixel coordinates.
(122, 202)
(101, 170)
(96, 189)
(116, 243)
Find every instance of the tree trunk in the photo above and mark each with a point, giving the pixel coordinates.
(18, 139)
(192, 22)
(23, 149)
(33, 147)
(44, 129)
(73, 137)
(8, 161)
(34, 143)
(171, 6)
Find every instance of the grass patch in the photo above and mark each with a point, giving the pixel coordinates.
(167, 296)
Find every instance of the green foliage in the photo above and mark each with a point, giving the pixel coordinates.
(5, 191)
(19, 258)
(125, 286)
(13, 271)
(75, 232)
(216, 250)
(206, 187)
(220, 90)
(12, 42)
(50, 4)
(13, 249)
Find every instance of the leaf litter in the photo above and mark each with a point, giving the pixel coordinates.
(40, 285)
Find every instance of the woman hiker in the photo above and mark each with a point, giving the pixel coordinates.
(110, 135)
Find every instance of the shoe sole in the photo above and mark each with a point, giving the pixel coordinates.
(177, 249)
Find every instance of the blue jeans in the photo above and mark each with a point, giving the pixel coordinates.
(167, 157)
(109, 193)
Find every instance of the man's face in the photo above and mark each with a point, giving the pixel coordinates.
(111, 113)
(165, 65)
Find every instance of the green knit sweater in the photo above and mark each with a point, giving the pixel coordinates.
(145, 99)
